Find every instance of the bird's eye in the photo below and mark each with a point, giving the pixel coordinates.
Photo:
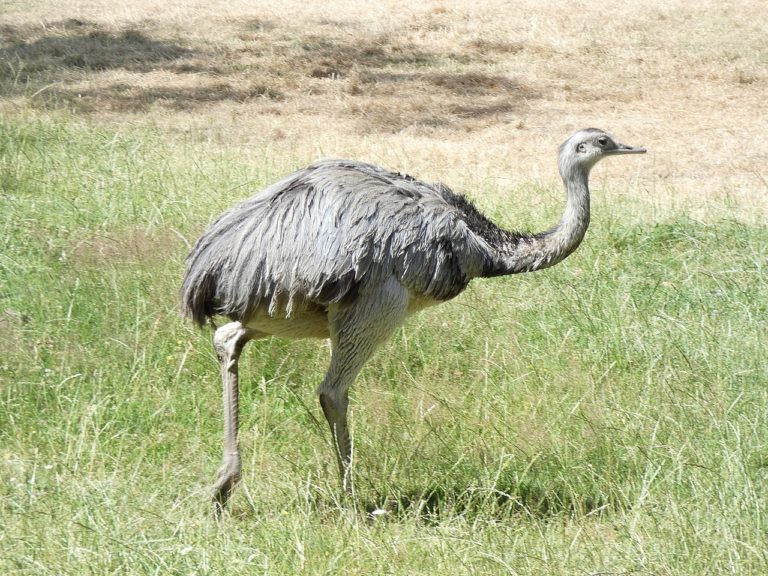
(581, 147)
(602, 140)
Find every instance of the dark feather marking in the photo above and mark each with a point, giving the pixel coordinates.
(479, 224)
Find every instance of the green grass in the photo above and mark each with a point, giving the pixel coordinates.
(607, 416)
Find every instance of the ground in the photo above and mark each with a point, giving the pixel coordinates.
(605, 416)
(431, 89)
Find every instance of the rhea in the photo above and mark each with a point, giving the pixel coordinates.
(347, 251)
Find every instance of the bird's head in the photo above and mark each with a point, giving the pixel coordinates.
(585, 148)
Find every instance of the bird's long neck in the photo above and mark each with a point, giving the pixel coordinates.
(515, 253)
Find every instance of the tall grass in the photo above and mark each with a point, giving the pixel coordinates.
(606, 416)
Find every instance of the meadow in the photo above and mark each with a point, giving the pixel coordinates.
(606, 416)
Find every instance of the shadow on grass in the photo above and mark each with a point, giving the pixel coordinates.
(44, 63)
(79, 45)
(528, 499)
(543, 496)
(122, 97)
(90, 67)
(436, 99)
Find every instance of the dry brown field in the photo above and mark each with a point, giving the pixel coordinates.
(439, 89)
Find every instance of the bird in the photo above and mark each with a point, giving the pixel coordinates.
(346, 251)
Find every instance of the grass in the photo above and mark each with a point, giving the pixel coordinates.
(607, 416)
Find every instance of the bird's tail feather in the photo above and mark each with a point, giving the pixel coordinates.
(198, 296)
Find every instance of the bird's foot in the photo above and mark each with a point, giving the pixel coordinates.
(227, 476)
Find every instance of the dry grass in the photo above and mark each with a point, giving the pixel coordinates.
(127, 247)
(432, 89)
(606, 417)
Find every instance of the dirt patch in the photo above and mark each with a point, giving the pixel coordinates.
(129, 247)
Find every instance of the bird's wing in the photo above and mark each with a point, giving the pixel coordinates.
(323, 234)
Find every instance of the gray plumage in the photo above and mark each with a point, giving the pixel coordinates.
(347, 250)
(319, 235)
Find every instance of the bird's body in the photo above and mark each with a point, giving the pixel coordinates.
(346, 250)
(324, 234)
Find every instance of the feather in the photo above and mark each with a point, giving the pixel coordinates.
(323, 233)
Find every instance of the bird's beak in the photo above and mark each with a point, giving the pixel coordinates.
(624, 149)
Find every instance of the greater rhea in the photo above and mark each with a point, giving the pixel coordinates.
(347, 251)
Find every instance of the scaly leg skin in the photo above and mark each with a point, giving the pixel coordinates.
(228, 342)
(335, 411)
(356, 331)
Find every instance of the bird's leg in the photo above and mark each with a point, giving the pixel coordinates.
(228, 341)
(334, 404)
(356, 331)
